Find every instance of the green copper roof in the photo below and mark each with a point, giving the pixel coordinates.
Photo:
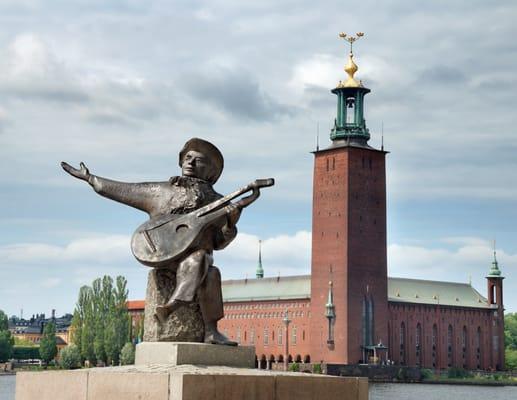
(260, 271)
(399, 290)
(434, 292)
(263, 289)
(494, 271)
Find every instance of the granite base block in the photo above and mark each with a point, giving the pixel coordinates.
(185, 382)
(180, 353)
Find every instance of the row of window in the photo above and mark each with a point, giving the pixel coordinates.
(278, 315)
(260, 306)
(434, 342)
(268, 336)
(331, 163)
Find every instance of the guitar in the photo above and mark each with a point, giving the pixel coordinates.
(169, 237)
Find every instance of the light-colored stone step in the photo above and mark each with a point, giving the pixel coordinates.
(185, 382)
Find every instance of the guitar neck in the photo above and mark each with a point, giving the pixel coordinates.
(222, 201)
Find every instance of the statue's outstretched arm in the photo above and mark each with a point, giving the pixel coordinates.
(144, 196)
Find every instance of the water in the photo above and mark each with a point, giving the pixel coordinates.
(7, 387)
(401, 391)
(378, 391)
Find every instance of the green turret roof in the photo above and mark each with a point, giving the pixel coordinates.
(494, 271)
(260, 270)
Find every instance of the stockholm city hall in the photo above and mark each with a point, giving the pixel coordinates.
(348, 310)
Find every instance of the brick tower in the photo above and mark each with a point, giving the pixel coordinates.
(349, 235)
(495, 300)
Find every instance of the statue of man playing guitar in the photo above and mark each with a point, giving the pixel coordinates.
(181, 197)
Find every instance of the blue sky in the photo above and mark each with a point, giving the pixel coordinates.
(121, 85)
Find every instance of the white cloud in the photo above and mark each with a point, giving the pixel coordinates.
(101, 249)
(320, 70)
(471, 257)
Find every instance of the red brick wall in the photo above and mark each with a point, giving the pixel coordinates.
(442, 316)
(349, 236)
(247, 317)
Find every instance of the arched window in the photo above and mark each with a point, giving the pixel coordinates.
(293, 340)
(402, 336)
(266, 336)
(450, 343)
(418, 344)
(367, 321)
(280, 333)
(434, 342)
(252, 336)
(350, 113)
(464, 346)
(271, 361)
(478, 347)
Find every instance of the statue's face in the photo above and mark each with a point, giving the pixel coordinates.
(196, 165)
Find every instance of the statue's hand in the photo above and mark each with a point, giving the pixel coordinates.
(81, 173)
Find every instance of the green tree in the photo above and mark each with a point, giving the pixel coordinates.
(127, 354)
(6, 345)
(101, 323)
(511, 359)
(70, 357)
(75, 329)
(48, 344)
(6, 340)
(4, 326)
(99, 318)
(510, 331)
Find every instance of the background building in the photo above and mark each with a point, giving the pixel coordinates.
(348, 311)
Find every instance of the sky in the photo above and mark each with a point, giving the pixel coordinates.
(121, 85)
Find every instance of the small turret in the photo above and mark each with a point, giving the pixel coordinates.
(494, 271)
(260, 270)
(495, 283)
(330, 314)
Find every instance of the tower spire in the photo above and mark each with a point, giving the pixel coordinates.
(350, 125)
(260, 270)
(351, 67)
(494, 271)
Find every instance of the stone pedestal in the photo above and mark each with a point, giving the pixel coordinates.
(187, 371)
(177, 353)
(185, 382)
(183, 325)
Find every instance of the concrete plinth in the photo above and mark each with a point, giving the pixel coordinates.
(180, 353)
(185, 382)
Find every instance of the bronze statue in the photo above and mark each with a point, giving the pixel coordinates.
(188, 220)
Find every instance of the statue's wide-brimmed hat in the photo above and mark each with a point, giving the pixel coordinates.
(210, 151)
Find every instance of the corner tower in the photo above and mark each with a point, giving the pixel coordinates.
(349, 233)
(495, 301)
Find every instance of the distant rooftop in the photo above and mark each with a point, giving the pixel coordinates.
(399, 290)
(263, 289)
(434, 292)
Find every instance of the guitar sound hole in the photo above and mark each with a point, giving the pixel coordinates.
(181, 228)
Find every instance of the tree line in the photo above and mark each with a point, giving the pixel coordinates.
(510, 340)
(6, 340)
(101, 325)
